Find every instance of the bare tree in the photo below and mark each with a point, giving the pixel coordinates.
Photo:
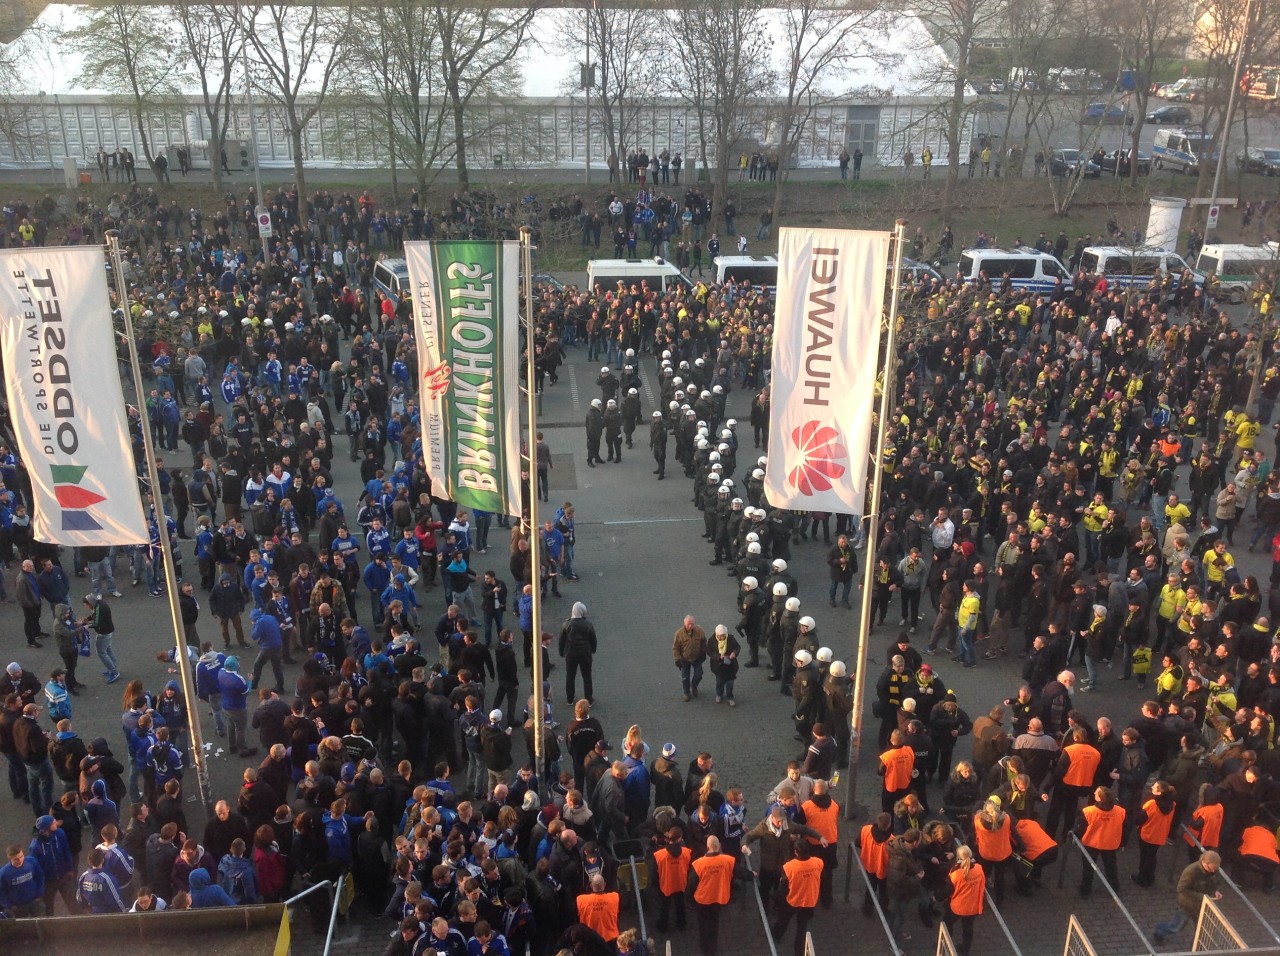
(1150, 32)
(298, 47)
(626, 47)
(130, 48)
(721, 68)
(211, 40)
(478, 47)
(819, 46)
(955, 25)
(393, 61)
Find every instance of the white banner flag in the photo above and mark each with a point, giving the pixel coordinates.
(65, 400)
(826, 337)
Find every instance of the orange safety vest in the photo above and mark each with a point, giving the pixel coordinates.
(1084, 764)
(715, 876)
(673, 871)
(1211, 832)
(994, 845)
(1260, 842)
(826, 822)
(1156, 830)
(600, 912)
(1103, 828)
(898, 764)
(967, 891)
(873, 853)
(803, 880)
(1035, 841)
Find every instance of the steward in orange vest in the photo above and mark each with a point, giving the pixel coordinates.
(896, 766)
(1258, 852)
(873, 851)
(714, 873)
(802, 877)
(672, 863)
(1100, 827)
(599, 910)
(1154, 823)
(1206, 824)
(823, 814)
(968, 890)
(1038, 848)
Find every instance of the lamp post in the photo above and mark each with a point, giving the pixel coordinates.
(48, 136)
(1231, 109)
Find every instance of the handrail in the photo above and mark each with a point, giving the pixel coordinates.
(333, 913)
(995, 911)
(308, 891)
(875, 901)
(1088, 860)
(635, 888)
(1234, 886)
(764, 916)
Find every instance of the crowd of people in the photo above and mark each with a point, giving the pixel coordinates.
(1031, 487)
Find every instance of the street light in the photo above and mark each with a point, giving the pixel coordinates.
(1226, 128)
(48, 137)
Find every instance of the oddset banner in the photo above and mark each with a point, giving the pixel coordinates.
(65, 400)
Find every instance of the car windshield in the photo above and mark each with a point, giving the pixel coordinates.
(1070, 155)
(1272, 154)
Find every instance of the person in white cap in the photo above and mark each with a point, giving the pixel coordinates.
(495, 748)
(658, 444)
(806, 692)
(595, 429)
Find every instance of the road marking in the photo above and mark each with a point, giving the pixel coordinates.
(648, 521)
(573, 389)
(648, 388)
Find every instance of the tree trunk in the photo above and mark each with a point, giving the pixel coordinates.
(217, 142)
(146, 143)
(459, 140)
(391, 154)
(295, 143)
(954, 126)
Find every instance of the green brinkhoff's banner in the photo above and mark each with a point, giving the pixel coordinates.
(466, 320)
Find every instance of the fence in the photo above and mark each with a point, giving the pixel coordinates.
(945, 946)
(808, 945)
(1077, 942)
(1214, 931)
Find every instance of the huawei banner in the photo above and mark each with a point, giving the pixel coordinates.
(65, 401)
(466, 321)
(826, 340)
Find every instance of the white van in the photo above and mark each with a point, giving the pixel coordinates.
(392, 277)
(1236, 267)
(1134, 268)
(658, 272)
(1181, 149)
(760, 271)
(1028, 269)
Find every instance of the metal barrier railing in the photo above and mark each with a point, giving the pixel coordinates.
(764, 915)
(333, 913)
(1111, 891)
(630, 849)
(1235, 887)
(946, 946)
(1214, 930)
(855, 858)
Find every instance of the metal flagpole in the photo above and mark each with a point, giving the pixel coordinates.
(887, 390)
(531, 410)
(162, 526)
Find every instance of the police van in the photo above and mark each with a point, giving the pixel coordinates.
(760, 271)
(1130, 268)
(1181, 149)
(661, 275)
(1026, 268)
(1236, 267)
(392, 277)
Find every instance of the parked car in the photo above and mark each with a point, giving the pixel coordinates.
(1072, 162)
(1170, 115)
(1110, 113)
(995, 86)
(1107, 163)
(1185, 90)
(1263, 160)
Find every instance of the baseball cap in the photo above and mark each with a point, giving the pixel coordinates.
(668, 750)
(495, 715)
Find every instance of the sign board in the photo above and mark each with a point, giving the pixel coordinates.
(1213, 218)
(264, 223)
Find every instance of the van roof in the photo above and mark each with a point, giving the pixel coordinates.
(394, 264)
(992, 253)
(1243, 250)
(1130, 251)
(657, 262)
(749, 260)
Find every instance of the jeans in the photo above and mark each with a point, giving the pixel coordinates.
(17, 777)
(100, 573)
(690, 676)
(477, 774)
(571, 667)
(1157, 512)
(492, 620)
(964, 651)
(483, 524)
(40, 786)
(107, 653)
(273, 656)
(568, 559)
(845, 585)
(1091, 667)
(724, 687)
(219, 715)
(237, 724)
(464, 600)
(1171, 926)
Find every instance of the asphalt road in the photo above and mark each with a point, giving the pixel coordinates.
(643, 565)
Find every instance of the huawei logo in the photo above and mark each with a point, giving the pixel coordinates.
(820, 454)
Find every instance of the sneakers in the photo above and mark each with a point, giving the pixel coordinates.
(685, 698)
(113, 678)
(717, 700)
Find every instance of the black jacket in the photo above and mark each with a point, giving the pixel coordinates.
(577, 638)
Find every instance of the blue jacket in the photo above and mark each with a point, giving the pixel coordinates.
(376, 577)
(402, 593)
(119, 864)
(266, 631)
(234, 689)
(52, 851)
(337, 836)
(98, 891)
(378, 542)
(236, 877)
(207, 670)
(206, 893)
(21, 885)
(524, 608)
